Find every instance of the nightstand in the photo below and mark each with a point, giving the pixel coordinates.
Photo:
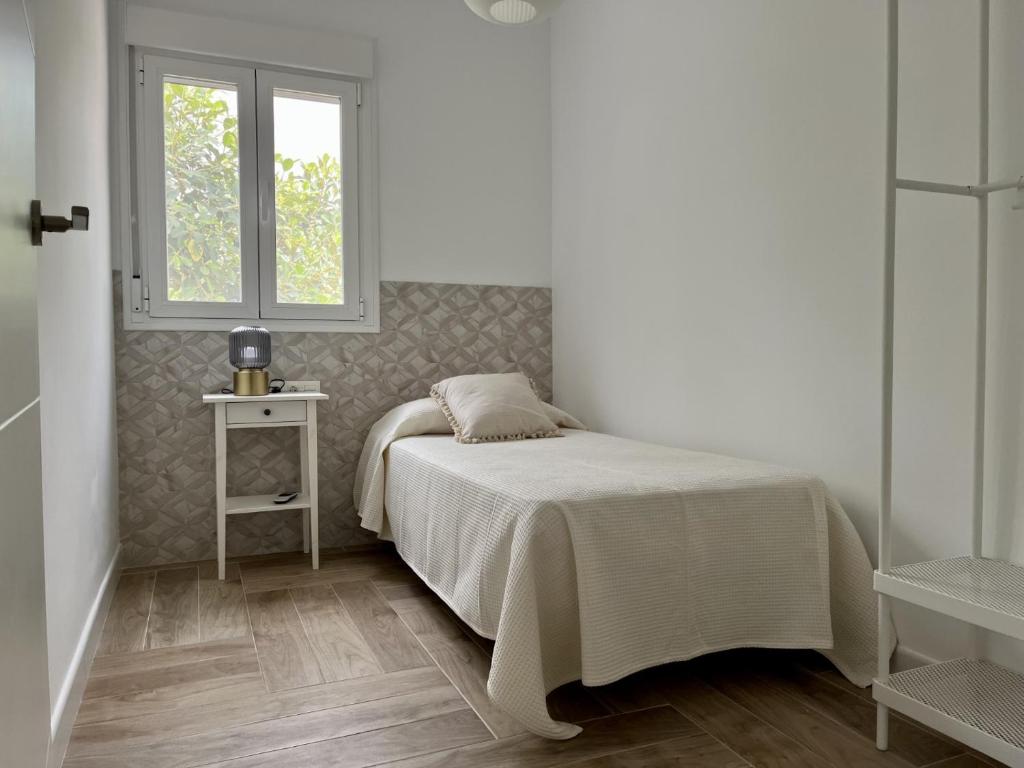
(284, 409)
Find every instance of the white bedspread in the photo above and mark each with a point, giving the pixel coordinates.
(591, 557)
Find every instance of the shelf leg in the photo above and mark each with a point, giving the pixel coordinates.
(884, 661)
(221, 433)
(882, 728)
(304, 475)
(311, 475)
(892, 80)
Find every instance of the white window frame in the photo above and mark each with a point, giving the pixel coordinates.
(153, 219)
(267, 81)
(145, 302)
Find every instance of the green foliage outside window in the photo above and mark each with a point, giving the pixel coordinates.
(202, 198)
(308, 199)
(204, 261)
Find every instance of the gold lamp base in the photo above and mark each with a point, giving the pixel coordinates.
(250, 382)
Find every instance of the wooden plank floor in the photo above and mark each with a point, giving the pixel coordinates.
(359, 664)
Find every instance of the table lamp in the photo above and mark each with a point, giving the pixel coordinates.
(249, 352)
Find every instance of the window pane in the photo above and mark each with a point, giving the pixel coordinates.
(204, 254)
(307, 179)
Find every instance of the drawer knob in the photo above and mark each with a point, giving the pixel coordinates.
(266, 411)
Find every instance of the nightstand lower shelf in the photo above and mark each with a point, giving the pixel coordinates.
(244, 505)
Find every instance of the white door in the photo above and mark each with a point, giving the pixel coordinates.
(24, 687)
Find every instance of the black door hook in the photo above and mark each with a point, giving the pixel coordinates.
(79, 220)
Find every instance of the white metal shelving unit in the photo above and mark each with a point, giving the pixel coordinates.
(972, 700)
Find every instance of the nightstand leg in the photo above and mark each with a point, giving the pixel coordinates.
(311, 476)
(304, 474)
(222, 486)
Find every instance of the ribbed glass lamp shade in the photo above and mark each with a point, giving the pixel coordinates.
(513, 12)
(249, 347)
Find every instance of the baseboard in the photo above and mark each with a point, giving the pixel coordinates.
(65, 709)
(907, 658)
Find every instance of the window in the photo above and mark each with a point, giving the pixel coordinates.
(247, 194)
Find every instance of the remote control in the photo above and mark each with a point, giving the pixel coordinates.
(284, 498)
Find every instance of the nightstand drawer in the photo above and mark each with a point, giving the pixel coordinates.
(271, 412)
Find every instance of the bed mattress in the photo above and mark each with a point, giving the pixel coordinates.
(591, 557)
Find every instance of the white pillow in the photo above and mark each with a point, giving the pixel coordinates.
(562, 418)
(491, 407)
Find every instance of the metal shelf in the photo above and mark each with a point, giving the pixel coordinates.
(976, 702)
(981, 591)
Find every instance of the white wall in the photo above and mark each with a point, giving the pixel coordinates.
(75, 326)
(935, 295)
(464, 133)
(717, 245)
(1005, 471)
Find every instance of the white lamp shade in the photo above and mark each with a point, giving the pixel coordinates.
(513, 13)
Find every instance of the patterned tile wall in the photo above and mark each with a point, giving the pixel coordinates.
(165, 434)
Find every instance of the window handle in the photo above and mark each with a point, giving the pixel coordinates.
(265, 195)
(79, 221)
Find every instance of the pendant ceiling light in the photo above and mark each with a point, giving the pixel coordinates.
(513, 12)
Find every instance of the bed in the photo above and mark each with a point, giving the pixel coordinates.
(590, 557)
